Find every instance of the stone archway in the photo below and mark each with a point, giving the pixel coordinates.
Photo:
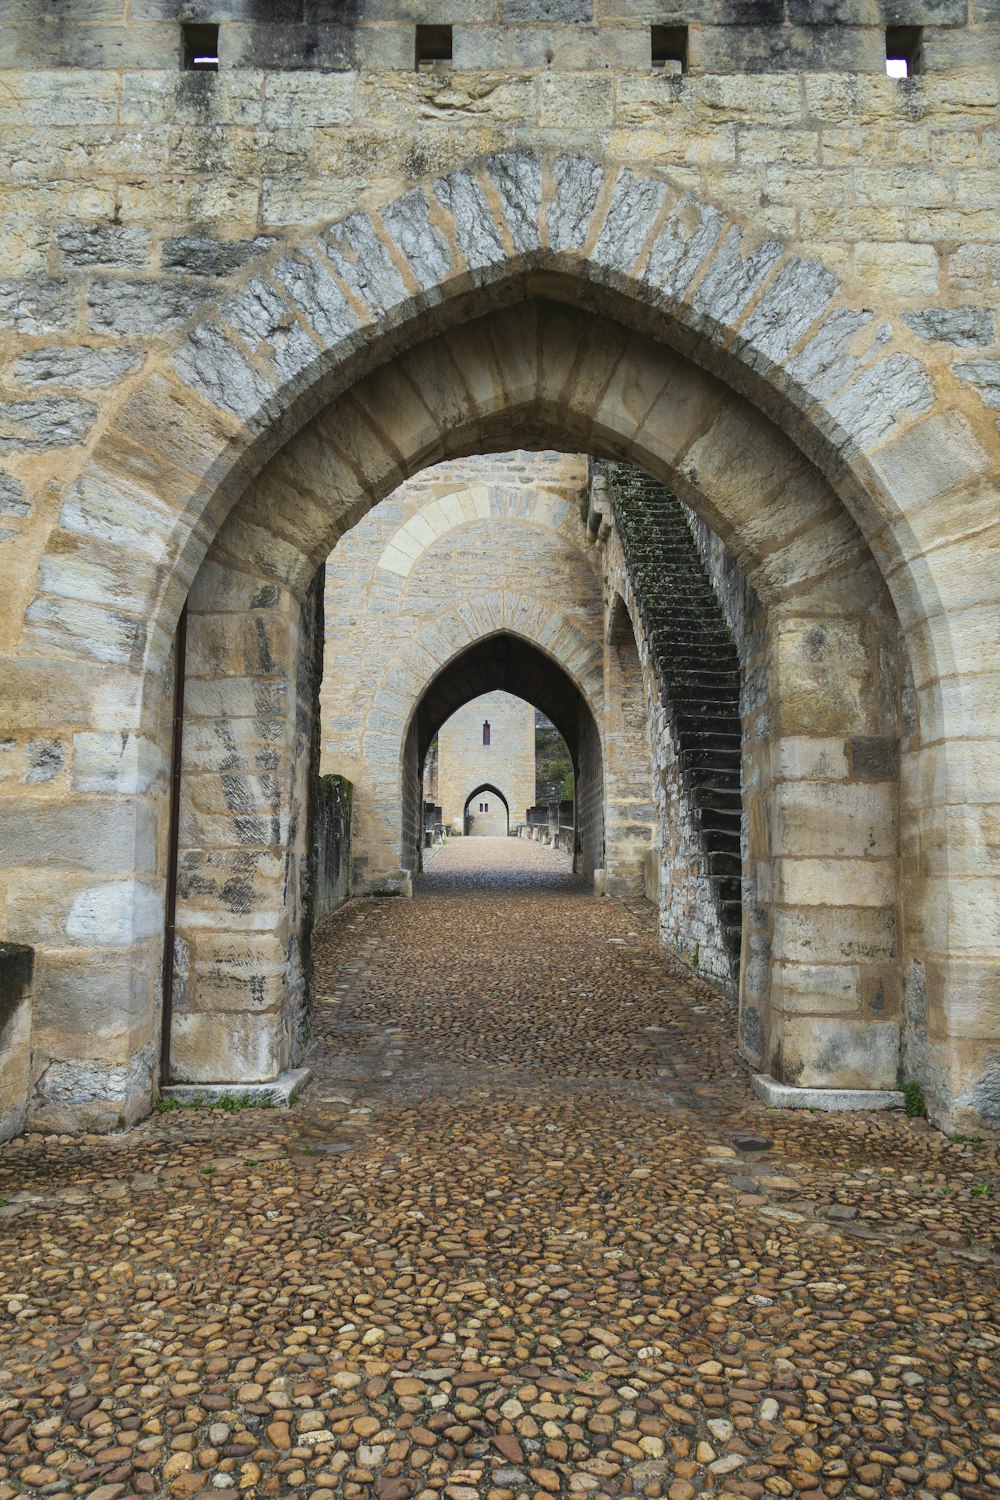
(485, 826)
(547, 678)
(466, 323)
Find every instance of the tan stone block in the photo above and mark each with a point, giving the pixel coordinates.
(835, 819)
(834, 882)
(900, 269)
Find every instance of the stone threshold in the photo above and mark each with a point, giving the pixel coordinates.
(281, 1093)
(785, 1096)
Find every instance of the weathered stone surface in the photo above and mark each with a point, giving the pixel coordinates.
(136, 307)
(212, 365)
(202, 255)
(110, 246)
(478, 237)
(984, 374)
(576, 182)
(317, 296)
(953, 325)
(420, 242)
(48, 422)
(518, 180)
(635, 205)
(83, 366)
(687, 236)
(892, 388)
(36, 306)
(796, 300)
(362, 261)
(12, 501)
(733, 278)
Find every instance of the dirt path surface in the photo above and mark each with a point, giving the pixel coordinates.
(526, 1233)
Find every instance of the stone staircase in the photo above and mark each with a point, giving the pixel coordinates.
(698, 670)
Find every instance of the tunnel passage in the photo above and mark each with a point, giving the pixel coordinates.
(508, 663)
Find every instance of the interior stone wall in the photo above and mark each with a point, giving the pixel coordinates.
(507, 762)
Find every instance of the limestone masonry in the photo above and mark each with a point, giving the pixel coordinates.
(242, 305)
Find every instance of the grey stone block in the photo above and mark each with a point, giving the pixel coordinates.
(795, 301)
(141, 306)
(732, 279)
(201, 255)
(83, 367)
(422, 244)
(774, 49)
(212, 365)
(784, 1096)
(113, 836)
(328, 48)
(37, 305)
(281, 1094)
(475, 227)
(362, 261)
(690, 231)
(953, 325)
(110, 245)
(634, 207)
(984, 374)
(826, 361)
(577, 182)
(546, 10)
(317, 296)
(868, 408)
(51, 422)
(518, 180)
(12, 501)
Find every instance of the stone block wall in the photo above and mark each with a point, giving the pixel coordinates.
(507, 763)
(332, 833)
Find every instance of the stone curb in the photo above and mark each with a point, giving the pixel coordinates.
(785, 1096)
(278, 1094)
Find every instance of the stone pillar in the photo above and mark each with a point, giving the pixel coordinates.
(16, 970)
(630, 809)
(830, 875)
(81, 830)
(239, 1001)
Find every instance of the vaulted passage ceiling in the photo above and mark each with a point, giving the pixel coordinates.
(508, 664)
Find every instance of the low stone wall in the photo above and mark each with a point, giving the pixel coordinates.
(332, 832)
(17, 964)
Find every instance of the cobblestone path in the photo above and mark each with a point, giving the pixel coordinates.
(526, 1233)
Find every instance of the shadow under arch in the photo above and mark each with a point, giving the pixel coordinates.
(508, 663)
(494, 791)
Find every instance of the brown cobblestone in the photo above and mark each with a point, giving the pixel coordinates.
(504, 1245)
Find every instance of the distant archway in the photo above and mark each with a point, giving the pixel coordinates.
(511, 664)
(486, 821)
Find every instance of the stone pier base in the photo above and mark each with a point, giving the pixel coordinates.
(784, 1096)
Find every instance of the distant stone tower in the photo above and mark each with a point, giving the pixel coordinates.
(486, 765)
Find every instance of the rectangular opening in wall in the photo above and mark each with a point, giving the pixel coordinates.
(903, 47)
(201, 48)
(669, 48)
(433, 45)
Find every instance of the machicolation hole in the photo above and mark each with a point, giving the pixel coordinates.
(903, 49)
(433, 45)
(669, 48)
(201, 48)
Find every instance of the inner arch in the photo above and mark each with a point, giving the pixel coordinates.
(507, 662)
